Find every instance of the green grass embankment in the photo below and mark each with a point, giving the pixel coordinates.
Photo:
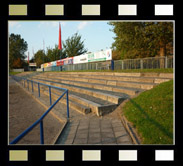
(13, 73)
(151, 113)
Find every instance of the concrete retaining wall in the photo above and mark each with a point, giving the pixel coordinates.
(18, 70)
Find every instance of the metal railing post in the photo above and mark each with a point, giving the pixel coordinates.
(50, 94)
(24, 83)
(166, 62)
(32, 86)
(41, 132)
(112, 65)
(67, 95)
(27, 84)
(141, 64)
(122, 64)
(38, 89)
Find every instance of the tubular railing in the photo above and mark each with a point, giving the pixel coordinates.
(40, 120)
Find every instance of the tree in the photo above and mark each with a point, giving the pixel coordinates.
(160, 35)
(127, 38)
(55, 53)
(116, 55)
(40, 58)
(17, 48)
(17, 63)
(142, 39)
(73, 46)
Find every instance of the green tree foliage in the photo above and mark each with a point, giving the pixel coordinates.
(50, 55)
(55, 53)
(160, 36)
(73, 46)
(40, 58)
(142, 39)
(17, 48)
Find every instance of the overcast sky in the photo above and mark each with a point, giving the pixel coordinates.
(96, 34)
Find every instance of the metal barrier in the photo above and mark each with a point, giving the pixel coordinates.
(142, 63)
(40, 120)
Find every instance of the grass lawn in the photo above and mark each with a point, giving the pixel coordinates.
(168, 70)
(14, 73)
(151, 113)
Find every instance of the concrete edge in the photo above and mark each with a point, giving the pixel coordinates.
(94, 93)
(129, 128)
(133, 74)
(60, 132)
(106, 86)
(72, 104)
(54, 115)
(90, 105)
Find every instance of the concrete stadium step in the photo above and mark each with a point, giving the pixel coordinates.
(98, 81)
(135, 74)
(127, 90)
(116, 77)
(160, 75)
(113, 97)
(80, 102)
(72, 104)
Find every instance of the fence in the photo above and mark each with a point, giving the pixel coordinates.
(82, 66)
(143, 63)
(40, 120)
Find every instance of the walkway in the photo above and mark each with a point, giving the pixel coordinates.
(23, 112)
(95, 131)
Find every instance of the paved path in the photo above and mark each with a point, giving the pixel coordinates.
(23, 112)
(95, 131)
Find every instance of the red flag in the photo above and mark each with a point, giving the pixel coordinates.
(59, 40)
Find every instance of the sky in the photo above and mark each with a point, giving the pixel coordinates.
(97, 35)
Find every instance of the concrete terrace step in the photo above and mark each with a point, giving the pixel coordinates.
(127, 90)
(85, 106)
(72, 104)
(113, 97)
(80, 102)
(113, 77)
(137, 74)
(101, 82)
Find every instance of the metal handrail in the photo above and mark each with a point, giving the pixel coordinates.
(40, 120)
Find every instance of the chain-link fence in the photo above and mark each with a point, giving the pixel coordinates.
(144, 63)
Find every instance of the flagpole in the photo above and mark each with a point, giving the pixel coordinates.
(60, 59)
(43, 55)
(60, 44)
